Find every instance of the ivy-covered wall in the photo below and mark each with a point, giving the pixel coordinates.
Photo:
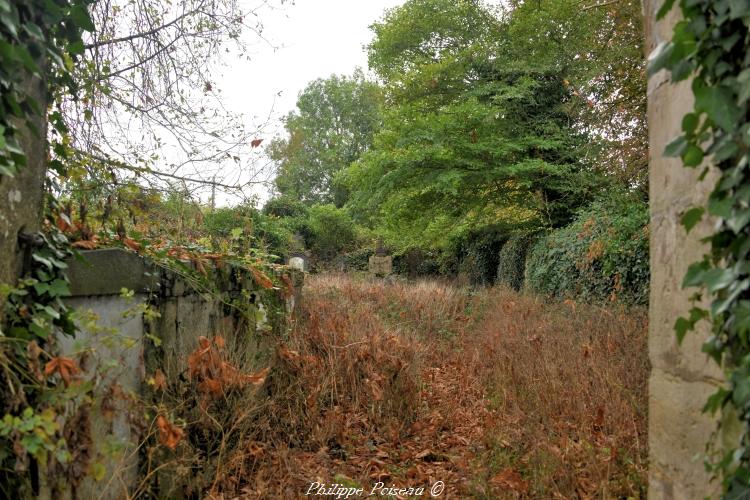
(139, 322)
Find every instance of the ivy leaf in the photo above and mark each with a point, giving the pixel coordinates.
(681, 327)
(739, 9)
(659, 57)
(690, 122)
(694, 274)
(718, 279)
(693, 156)
(718, 103)
(676, 147)
(716, 401)
(664, 9)
(81, 18)
(692, 217)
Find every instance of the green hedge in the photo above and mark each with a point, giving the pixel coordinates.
(512, 261)
(601, 256)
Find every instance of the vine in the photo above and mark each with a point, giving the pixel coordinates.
(710, 44)
(39, 39)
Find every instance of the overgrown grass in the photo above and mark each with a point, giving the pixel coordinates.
(497, 394)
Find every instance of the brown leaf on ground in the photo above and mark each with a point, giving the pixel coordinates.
(511, 479)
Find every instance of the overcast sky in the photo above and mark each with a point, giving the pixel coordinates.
(313, 39)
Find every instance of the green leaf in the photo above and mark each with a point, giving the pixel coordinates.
(81, 18)
(681, 327)
(690, 122)
(676, 147)
(693, 156)
(692, 217)
(718, 102)
(718, 279)
(659, 57)
(664, 9)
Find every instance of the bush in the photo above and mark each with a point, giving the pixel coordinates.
(416, 262)
(477, 255)
(602, 255)
(330, 231)
(358, 260)
(512, 261)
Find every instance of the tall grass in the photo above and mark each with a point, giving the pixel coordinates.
(499, 395)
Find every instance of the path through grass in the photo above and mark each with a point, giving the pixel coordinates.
(496, 394)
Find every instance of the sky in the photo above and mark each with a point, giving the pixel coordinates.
(303, 41)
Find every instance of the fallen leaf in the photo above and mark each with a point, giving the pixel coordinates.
(509, 478)
(85, 244)
(255, 142)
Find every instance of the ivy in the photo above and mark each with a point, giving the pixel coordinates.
(38, 38)
(710, 44)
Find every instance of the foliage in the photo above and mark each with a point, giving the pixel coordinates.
(40, 38)
(469, 139)
(602, 255)
(475, 255)
(511, 267)
(332, 126)
(34, 316)
(598, 49)
(328, 231)
(358, 260)
(710, 44)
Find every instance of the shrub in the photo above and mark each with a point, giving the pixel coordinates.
(330, 230)
(478, 254)
(358, 260)
(602, 255)
(417, 262)
(512, 261)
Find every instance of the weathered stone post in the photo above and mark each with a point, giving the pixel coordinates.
(380, 263)
(21, 196)
(682, 377)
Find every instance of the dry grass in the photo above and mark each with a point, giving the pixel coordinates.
(497, 394)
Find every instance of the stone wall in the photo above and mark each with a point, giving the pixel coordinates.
(682, 377)
(127, 345)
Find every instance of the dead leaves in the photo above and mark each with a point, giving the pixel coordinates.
(261, 279)
(510, 479)
(170, 435)
(214, 375)
(67, 368)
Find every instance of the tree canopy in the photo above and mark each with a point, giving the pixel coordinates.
(333, 125)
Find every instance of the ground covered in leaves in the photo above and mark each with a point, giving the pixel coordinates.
(496, 394)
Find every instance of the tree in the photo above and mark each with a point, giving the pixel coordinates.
(332, 127)
(149, 107)
(471, 138)
(598, 48)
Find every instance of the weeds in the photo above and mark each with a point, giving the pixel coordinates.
(498, 395)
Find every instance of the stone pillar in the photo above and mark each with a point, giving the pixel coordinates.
(682, 378)
(21, 197)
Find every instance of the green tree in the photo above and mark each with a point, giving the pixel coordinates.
(471, 138)
(333, 125)
(598, 48)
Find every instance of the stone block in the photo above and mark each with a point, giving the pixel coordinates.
(380, 265)
(108, 271)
